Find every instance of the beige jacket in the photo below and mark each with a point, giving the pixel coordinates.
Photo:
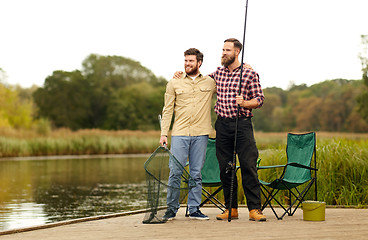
(190, 102)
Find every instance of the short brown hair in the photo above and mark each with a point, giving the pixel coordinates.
(236, 42)
(196, 52)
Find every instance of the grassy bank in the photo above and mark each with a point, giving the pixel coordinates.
(66, 142)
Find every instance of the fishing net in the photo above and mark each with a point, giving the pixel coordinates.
(157, 176)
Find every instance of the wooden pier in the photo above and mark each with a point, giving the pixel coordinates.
(340, 223)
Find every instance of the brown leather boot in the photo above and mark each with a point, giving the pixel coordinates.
(225, 214)
(256, 215)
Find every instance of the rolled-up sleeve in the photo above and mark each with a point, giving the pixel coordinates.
(255, 90)
(168, 109)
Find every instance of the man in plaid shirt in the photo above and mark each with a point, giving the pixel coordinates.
(227, 83)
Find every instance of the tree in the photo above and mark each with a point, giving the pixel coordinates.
(64, 99)
(307, 112)
(2, 76)
(14, 112)
(109, 74)
(266, 118)
(135, 107)
(100, 95)
(363, 98)
(117, 72)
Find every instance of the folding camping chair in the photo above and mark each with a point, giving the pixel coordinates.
(211, 176)
(300, 150)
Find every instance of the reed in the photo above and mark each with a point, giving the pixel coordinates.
(343, 170)
(66, 142)
(343, 174)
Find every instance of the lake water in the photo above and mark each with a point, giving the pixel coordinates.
(34, 192)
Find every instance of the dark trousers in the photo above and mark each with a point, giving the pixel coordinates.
(247, 152)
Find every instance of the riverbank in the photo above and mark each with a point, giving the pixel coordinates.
(89, 156)
(340, 223)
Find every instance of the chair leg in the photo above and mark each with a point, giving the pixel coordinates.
(211, 197)
(299, 197)
(271, 195)
(267, 197)
(289, 212)
(186, 211)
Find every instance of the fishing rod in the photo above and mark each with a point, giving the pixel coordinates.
(233, 162)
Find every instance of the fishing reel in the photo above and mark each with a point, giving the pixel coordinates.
(230, 167)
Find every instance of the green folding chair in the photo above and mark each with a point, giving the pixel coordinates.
(296, 177)
(211, 176)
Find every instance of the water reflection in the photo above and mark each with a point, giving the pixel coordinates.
(23, 215)
(42, 191)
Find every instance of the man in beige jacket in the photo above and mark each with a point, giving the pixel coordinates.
(189, 99)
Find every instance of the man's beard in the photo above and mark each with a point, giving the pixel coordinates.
(193, 71)
(227, 61)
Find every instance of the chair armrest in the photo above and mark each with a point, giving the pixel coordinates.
(301, 166)
(267, 167)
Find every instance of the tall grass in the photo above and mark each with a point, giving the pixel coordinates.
(66, 142)
(343, 174)
(342, 177)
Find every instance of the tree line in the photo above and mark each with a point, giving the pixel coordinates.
(114, 93)
(327, 106)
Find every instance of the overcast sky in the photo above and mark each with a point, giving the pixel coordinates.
(286, 40)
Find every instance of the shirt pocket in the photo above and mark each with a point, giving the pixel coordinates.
(205, 89)
(204, 94)
(179, 92)
(182, 97)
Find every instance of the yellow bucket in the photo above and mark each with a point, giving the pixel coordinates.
(313, 210)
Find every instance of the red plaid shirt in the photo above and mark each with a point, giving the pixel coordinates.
(227, 84)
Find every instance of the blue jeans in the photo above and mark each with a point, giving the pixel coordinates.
(181, 148)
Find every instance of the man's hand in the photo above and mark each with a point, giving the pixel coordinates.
(240, 101)
(163, 141)
(246, 65)
(252, 103)
(178, 74)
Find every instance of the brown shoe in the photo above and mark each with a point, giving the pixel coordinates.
(256, 215)
(225, 214)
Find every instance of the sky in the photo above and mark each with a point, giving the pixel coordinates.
(286, 41)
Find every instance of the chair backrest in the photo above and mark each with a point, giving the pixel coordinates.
(211, 170)
(300, 149)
